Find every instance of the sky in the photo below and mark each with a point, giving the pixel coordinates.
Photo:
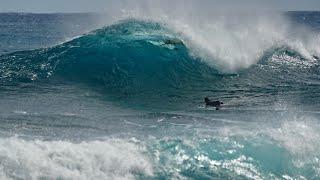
(49, 6)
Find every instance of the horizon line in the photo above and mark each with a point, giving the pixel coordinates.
(91, 12)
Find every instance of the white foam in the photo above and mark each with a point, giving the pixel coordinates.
(20, 112)
(109, 159)
(233, 43)
(299, 136)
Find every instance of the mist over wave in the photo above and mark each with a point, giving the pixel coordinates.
(231, 40)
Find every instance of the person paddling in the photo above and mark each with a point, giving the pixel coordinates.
(216, 104)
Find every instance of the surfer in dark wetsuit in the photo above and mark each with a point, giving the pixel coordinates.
(174, 41)
(216, 104)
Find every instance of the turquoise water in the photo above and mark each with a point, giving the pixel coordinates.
(121, 103)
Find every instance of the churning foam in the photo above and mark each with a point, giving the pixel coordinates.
(36, 159)
(300, 137)
(229, 40)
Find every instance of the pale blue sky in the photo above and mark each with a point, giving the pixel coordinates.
(105, 5)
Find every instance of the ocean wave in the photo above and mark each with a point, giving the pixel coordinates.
(143, 56)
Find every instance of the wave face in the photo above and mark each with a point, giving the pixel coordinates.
(130, 53)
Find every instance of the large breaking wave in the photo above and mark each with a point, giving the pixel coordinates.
(139, 56)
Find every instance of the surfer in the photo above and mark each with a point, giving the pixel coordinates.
(315, 57)
(174, 41)
(216, 104)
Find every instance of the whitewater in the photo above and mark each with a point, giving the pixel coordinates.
(107, 97)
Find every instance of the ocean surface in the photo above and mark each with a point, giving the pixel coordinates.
(82, 97)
